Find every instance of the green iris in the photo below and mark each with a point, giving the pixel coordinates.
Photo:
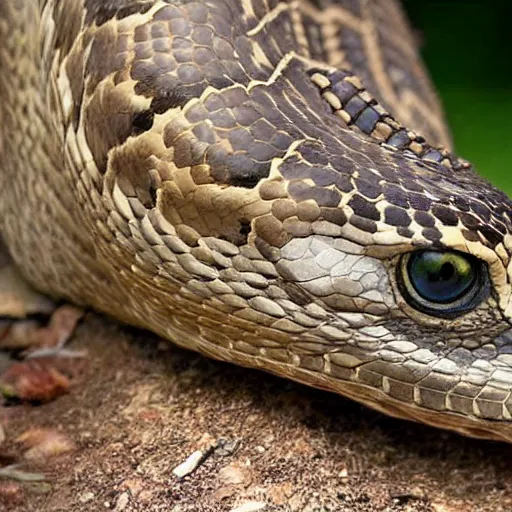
(443, 283)
(441, 277)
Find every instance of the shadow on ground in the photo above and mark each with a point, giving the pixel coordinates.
(143, 406)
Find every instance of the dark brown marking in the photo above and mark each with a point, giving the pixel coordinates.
(397, 196)
(142, 121)
(334, 215)
(424, 219)
(367, 120)
(355, 106)
(405, 232)
(369, 189)
(364, 208)
(395, 216)
(419, 202)
(343, 90)
(492, 235)
(363, 224)
(301, 191)
(446, 215)
(399, 139)
(471, 236)
(432, 234)
(101, 11)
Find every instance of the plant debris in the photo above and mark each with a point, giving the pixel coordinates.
(42, 443)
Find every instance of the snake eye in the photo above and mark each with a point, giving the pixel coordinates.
(445, 284)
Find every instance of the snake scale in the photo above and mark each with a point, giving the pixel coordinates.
(266, 182)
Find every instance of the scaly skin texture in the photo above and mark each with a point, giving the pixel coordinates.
(236, 177)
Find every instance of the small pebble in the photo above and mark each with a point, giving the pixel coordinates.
(189, 465)
(226, 447)
(250, 506)
(234, 474)
(86, 497)
(122, 502)
(343, 473)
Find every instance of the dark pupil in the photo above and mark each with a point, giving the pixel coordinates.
(440, 277)
(446, 273)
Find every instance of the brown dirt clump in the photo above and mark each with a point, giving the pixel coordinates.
(145, 412)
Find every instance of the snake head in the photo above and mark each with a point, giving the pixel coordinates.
(326, 255)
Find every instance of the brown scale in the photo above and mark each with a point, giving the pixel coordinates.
(353, 104)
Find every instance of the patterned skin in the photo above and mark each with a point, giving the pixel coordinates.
(236, 176)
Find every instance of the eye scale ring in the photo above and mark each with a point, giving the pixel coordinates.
(444, 284)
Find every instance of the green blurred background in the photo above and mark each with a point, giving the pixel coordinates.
(467, 47)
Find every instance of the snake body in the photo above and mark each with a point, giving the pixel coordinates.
(243, 178)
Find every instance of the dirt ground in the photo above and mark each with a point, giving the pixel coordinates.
(142, 407)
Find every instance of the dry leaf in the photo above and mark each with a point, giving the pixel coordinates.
(43, 443)
(33, 380)
(29, 334)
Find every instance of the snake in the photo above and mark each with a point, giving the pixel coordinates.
(269, 183)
